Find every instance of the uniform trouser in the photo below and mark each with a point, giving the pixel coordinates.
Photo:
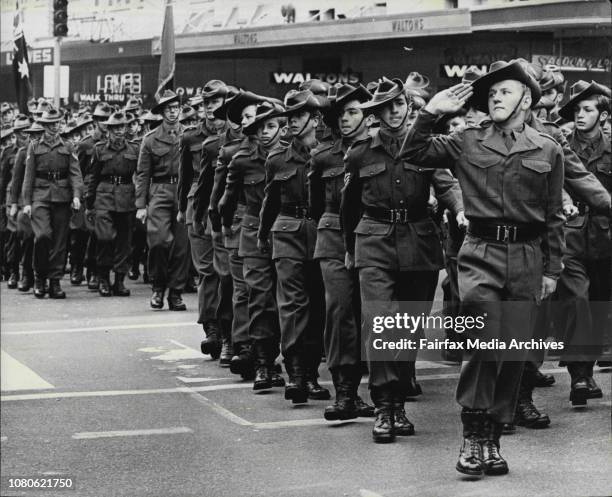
(221, 265)
(50, 224)
(301, 307)
(90, 252)
(583, 293)
(240, 299)
(13, 246)
(208, 280)
(450, 287)
(168, 242)
(499, 282)
(342, 319)
(264, 328)
(139, 245)
(389, 286)
(24, 231)
(114, 235)
(78, 239)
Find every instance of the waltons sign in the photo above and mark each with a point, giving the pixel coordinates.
(291, 78)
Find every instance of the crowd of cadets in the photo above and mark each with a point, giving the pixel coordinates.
(296, 216)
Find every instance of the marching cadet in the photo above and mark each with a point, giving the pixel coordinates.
(240, 112)
(52, 180)
(188, 117)
(245, 181)
(552, 83)
(150, 121)
(157, 203)
(133, 106)
(5, 143)
(7, 114)
(86, 243)
(285, 213)
(200, 238)
(13, 249)
(24, 223)
(111, 203)
(218, 341)
(132, 132)
(342, 308)
(511, 177)
(586, 280)
(393, 242)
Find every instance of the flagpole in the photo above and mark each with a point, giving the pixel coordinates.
(56, 68)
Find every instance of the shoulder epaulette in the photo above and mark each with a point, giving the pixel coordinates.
(546, 135)
(277, 151)
(211, 139)
(322, 147)
(150, 132)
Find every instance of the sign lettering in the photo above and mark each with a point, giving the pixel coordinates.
(407, 25)
(458, 71)
(293, 78)
(35, 56)
(569, 63)
(245, 38)
(130, 83)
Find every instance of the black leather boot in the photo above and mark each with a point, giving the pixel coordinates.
(526, 413)
(594, 389)
(227, 353)
(39, 288)
(494, 463)
(175, 301)
(344, 406)
(211, 344)
(542, 380)
(262, 380)
(13, 280)
(383, 431)
(93, 282)
(363, 409)
(401, 423)
(157, 299)
(276, 377)
(25, 283)
(470, 455)
(315, 391)
(119, 289)
(55, 289)
(295, 390)
(134, 272)
(76, 275)
(104, 284)
(579, 392)
(242, 362)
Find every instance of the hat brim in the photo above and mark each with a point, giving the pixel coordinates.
(158, 107)
(567, 111)
(252, 128)
(299, 107)
(42, 120)
(375, 104)
(514, 71)
(238, 104)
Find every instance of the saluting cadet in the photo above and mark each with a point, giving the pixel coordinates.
(213, 95)
(86, 250)
(157, 202)
(586, 281)
(511, 177)
(285, 213)
(218, 341)
(24, 223)
(342, 306)
(393, 242)
(111, 202)
(52, 180)
(12, 247)
(245, 182)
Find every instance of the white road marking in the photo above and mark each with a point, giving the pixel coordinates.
(272, 425)
(368, 493)
(17, 376)
(88, 435)
(126, 327)
(198, 380)
(430, 365)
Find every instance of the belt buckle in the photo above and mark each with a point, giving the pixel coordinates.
(53, 175)
(393, 215)
(115, 180)
(509, 234)
(173, 180)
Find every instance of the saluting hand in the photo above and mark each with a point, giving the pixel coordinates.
(141, 215)
(450, 100)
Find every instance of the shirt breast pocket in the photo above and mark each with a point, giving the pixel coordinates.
(129, 162)
(533, 179)
(159, 153)
(482, 178)
(373, 180)
(289, 185)
(253, 178)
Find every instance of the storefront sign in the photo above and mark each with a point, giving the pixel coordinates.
(292, 78)
(570, 63)
(459, 70)
(130, 83)
(35, 56)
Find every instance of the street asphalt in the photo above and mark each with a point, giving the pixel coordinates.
(119, 398)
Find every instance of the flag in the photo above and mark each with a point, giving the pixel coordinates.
(165, 79)
(21, 66)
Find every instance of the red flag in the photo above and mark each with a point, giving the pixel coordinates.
(21, 66)
(165, 79)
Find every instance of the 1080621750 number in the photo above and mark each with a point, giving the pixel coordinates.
(47, 483)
